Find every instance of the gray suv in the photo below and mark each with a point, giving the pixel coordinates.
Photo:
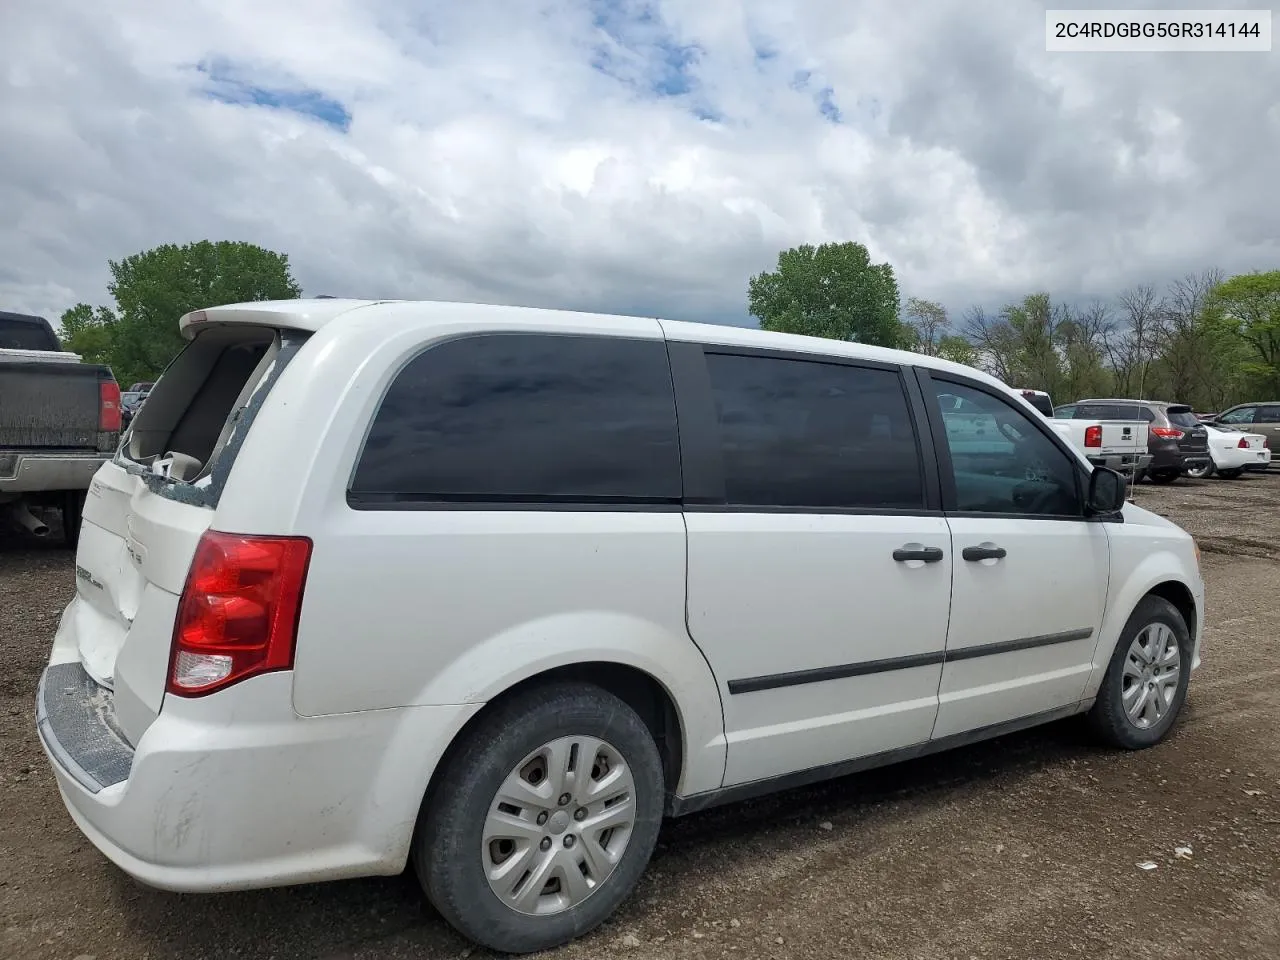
(1176, 439)
(1263, 418)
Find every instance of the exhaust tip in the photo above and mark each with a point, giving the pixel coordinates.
(27, 520)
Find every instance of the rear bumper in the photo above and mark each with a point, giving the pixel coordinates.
(235, 791)
(1123, 462)
(1193, 456)
(1234, 458)
(1165, 455)
(35, 472)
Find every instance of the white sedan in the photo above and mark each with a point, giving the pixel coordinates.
(1233, 452)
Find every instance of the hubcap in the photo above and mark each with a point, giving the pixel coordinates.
(541, 858)
(1150, 679)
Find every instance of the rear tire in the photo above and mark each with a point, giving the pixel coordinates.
(1200, 473)
(1164, 476)
(1231, 474)
(487, 834)
(1145, 684)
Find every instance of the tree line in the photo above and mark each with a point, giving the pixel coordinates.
(1206, 339)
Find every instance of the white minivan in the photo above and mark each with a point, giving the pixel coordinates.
(494, 590)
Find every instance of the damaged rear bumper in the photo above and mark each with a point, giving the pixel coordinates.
(235, 791)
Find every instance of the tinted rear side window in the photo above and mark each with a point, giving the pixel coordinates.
(1183, 417)
(797, 433)
(526, 418)
(1108, 411)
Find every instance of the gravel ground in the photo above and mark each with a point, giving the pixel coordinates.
(1023, 847)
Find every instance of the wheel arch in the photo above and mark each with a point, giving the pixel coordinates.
(640, 690)
(1177, 594)
(1163, 574)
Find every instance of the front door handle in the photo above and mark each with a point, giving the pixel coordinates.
(913, 551)
(984, 553)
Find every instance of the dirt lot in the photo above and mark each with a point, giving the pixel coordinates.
(1024, 847)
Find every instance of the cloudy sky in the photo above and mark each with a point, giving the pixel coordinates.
(621, 155)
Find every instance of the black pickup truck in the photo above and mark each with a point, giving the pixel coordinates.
(59, 421)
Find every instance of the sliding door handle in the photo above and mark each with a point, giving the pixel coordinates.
(913, 551)
(985, 552)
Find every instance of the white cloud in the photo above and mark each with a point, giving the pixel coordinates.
(624, 156)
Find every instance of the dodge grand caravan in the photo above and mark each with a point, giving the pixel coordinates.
(494, 590)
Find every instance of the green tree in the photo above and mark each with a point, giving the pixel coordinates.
(926, 324)
(1081, 341)
(1036, 323)
(833, 290)
(1247, 308)
(1021, 345)
(153, 289)
(88, 332)
(957, 349)
(1195, 363)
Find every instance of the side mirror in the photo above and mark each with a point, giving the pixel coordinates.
(1107, 490)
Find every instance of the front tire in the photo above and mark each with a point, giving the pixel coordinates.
(543, 820)
(1145, 685)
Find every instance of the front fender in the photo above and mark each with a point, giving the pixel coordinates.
(1161, 566)
(487, 669)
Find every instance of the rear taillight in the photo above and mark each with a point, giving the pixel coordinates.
(1243, 444)
(108, 406)
(1093, 436)
(238, 615)
(1169, 433)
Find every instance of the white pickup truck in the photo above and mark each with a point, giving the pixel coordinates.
(1118, 444)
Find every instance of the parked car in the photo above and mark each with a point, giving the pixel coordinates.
(1263, 418)
(1234, 452)
(59, 422)
(1177, 441)
(494, 589)
(130, 401)
(1118, 444)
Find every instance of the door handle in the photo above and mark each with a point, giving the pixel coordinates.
(913, 552)
(984, 553)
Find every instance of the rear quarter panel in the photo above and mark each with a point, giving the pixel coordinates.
(429, 607)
